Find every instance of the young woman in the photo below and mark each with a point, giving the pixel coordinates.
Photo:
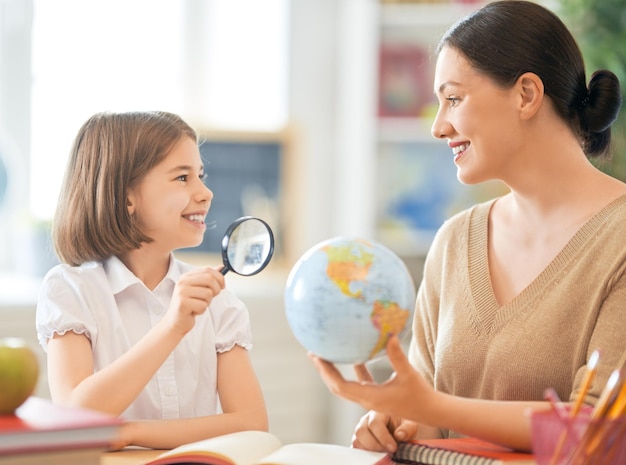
(128, 329)
(519, 291)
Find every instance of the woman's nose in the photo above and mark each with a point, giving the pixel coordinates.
(440, 128)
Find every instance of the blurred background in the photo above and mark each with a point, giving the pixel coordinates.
(314, 115)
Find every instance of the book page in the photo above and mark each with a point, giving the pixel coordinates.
(318, 454)
(242, 448)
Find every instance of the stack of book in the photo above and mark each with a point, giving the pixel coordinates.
(42, 432)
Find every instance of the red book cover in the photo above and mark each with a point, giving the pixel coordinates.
(40, 425)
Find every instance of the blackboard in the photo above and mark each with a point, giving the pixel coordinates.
(236, 169)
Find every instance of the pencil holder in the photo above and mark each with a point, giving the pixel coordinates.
(579, 440)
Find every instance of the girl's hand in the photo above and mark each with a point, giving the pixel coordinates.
(193, 293)
(404, 395)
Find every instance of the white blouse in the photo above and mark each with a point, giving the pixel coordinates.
(114, 309)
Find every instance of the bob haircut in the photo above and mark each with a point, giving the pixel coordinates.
(112, 153)
(505, 39)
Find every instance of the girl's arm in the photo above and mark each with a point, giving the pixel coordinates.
(112, 389)
(72, 380)
(242, 404)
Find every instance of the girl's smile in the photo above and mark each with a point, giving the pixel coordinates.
(172, 201)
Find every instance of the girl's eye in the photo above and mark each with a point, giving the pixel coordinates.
(453, 101)
(182, 177)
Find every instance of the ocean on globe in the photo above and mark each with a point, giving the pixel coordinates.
(345, 297)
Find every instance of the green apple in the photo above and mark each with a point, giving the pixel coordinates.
(19, 371)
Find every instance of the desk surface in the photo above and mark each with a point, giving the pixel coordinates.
(129, 457)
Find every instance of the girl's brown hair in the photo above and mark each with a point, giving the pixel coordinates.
(111, 154)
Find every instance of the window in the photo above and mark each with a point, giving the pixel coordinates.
(221, 64)
(218, 63)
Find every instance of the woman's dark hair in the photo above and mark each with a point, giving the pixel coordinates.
(111, 154)
(506, 39)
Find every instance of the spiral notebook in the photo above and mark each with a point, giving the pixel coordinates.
(458, 451)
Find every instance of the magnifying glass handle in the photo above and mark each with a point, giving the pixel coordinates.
(225, 270)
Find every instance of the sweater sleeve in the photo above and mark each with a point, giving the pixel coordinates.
(426, 317)
(608, 338)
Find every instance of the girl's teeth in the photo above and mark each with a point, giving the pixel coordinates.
(196, 218)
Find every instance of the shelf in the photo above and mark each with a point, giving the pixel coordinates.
(424, 14)
(405, 130)
(415, 173)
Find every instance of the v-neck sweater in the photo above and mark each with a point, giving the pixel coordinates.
(466, 344)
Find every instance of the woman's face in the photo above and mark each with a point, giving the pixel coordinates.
(477, 117)
(171, 202)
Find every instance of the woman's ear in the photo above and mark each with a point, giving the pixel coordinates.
(531, 92)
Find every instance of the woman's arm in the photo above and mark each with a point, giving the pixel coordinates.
(406, 394)
(242, 403)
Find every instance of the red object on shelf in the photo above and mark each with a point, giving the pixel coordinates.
(405, 84)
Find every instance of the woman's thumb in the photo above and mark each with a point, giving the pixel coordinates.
(405, 430)
(396, 355)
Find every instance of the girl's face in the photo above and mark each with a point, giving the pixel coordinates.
(477, 117)
(171, 202)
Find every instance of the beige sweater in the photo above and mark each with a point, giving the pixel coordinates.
(465, 344)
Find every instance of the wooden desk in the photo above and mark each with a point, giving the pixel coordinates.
(129, 457)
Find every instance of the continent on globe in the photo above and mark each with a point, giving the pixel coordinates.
(388, 319)
(345, 266)
(345, 297)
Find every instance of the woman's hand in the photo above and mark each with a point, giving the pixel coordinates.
(193, 293)
(404, 395)
(379, 432)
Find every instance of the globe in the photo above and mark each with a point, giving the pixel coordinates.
(345, 297)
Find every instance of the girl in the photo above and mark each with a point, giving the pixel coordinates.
(519, 291)
(128, 329)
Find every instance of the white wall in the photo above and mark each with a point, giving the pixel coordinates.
(328, 184)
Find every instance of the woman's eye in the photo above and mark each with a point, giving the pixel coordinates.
(453, 101)
(182, 177)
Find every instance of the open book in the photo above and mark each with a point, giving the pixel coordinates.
(262, 448)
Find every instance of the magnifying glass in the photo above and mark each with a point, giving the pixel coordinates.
(247, 246)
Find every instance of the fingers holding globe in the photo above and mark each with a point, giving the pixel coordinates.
(19, 372)
(345, 297)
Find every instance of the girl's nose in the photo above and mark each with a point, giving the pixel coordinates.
(204, 193)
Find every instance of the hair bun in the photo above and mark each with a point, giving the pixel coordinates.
(600, 109)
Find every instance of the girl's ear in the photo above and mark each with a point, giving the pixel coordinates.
(531, 93)
(130, 206)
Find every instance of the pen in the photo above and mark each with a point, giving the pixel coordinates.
(551, 396)
(589, 375)
(608, 396)
(619, 405)
(590, 372)
(594, 435)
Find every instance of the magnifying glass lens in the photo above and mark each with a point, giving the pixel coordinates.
(247, 246)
